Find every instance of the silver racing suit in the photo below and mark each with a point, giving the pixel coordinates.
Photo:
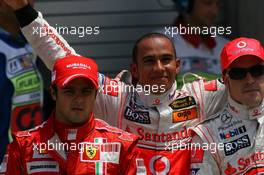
(235, 141)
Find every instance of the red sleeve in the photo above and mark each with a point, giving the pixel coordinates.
(13, 159)
(128, 159)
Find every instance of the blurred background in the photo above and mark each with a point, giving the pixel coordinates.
(121, 22)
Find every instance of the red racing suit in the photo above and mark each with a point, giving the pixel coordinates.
(235, 137)
(94, 148)
(158, 120)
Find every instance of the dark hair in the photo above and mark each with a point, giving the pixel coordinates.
(147, 36)
(55, 88)
(184, 6)
(190, 6)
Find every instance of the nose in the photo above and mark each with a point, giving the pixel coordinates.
(78, 98)
(158, 66)
(249, 79)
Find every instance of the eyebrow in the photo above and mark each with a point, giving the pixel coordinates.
(163, 55)
(71, 87)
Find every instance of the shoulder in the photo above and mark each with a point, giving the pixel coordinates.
(214, 85)
(200, 85)
(220, 43)
(27, 135)
(209, 129)
(221, 40)
(114, 132)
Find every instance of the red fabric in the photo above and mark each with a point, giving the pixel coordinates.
(210, 85)
(72, 66)
(240, 47)
(175, 161)
(23, 158)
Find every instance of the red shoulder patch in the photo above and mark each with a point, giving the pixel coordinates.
(110, 87)
(210, 85)
(127, 136)
(22, 134)
(27, 133)
(123, 135)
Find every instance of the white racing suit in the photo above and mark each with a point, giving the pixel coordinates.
(237, 133)
(157, 120)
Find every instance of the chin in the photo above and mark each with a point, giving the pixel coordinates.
(78, 121)
(253, 102)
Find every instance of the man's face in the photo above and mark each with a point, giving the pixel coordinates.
(8, 19)
(156, 63)
(74, 102)
(205, 12)
(6, 12)
(249, 90)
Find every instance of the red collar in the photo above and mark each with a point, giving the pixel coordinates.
(194, 39)
(67, 133)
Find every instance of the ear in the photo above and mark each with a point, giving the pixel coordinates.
(225, 80)
(96, 92)
(178, 65)
(53, 93)
(134, 70)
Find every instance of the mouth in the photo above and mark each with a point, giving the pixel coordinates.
(160, 78)
(250, 90)
(77, 109)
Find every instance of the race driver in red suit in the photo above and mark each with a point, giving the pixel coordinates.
(72, 141)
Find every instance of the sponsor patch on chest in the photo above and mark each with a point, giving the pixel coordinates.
(137, 116)
(184, 115)
(183, 103)
(235, 145)
(42, 167)
(183, 109)
(101, 152)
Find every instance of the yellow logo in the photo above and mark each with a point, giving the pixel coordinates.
(43, 151)
(91, 151)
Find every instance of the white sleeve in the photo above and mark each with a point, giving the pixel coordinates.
(46, 41)
(211, 96)
(202, 161)
(111, 100)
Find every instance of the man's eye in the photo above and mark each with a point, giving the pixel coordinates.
(166, 59)
(68, 91)
(148, 61)
(87, 91)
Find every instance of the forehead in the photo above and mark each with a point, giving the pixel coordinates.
(80, 82)
(155, 45)
(246, 61)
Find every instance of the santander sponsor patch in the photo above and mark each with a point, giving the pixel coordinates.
(163, 137)
(250, 163)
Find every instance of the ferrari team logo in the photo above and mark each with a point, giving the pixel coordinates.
(100, 151)
(91, 151)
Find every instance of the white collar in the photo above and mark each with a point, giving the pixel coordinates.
(155, 100)
(243, 111)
